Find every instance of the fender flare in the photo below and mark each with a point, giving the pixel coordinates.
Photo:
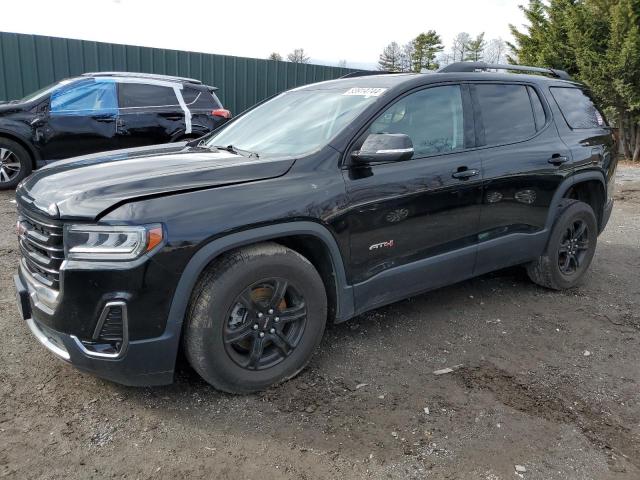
(212, 250)
(564, 188)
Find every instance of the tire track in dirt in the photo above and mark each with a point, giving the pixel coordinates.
(554, 405)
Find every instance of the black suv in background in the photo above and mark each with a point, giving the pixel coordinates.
(325, 202)
(102, 111)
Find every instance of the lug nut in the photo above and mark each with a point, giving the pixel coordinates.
(273, 330)
(255, 327)
(270, 311)
(260, 315)
(277, 319)
(261, 334)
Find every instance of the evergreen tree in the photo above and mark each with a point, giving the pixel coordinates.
(390, 58)
(275, 56)
(475, 49)
(598, 43)
(425, 48)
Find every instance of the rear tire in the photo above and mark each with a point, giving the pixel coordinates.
(15, 163)
(255, 318)
(570, 249)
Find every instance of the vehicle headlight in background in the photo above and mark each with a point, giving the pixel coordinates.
(110, 242)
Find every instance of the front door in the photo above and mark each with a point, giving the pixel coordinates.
(415, 223)
(81, 120)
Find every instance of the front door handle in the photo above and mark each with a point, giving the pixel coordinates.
(463, 173)
(557, 159)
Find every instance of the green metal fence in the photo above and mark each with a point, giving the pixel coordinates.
(30, 62)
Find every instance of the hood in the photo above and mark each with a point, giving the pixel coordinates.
(12, 106)
(84, 187)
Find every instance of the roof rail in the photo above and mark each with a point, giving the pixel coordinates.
(151, 76)
(365, 73)
(473, 66)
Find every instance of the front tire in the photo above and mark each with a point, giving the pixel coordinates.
(570, 249)
(15, 163)
(255, 318)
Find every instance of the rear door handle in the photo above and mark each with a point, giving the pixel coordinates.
(464, 174)
(557, 159)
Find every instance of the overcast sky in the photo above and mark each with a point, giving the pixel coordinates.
(328, 30)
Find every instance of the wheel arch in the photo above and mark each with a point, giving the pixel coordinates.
(579, 181)
(290, 234)
(24, 144)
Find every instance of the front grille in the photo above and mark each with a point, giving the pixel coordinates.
(41, 247)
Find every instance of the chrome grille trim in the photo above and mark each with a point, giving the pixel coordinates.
(41, 246)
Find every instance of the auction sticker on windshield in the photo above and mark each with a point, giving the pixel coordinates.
(365, 92)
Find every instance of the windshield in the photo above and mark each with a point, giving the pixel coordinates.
(44, 91)
(296, 122)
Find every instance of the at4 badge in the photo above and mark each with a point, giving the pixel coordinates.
(387, 244)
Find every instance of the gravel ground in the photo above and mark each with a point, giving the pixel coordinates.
(550, 381)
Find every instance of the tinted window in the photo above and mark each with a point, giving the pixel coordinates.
(199, 98)
(506, 113)
(538, 110)
(190, 95)
(432, 118)
(89, 97)
(143, 95)
(577, 108)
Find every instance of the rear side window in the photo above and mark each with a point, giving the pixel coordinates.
(195, 98)
(506, 113)
(88, 97)
(577, 108)
(136, 95)
(190, 95)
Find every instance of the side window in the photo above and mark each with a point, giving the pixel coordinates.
(506, 112)
(85, 98)
(577, 108)
(190, 95)
(432, 118)
(136, 95)
(538, 110)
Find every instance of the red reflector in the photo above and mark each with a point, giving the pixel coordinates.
(221, 112)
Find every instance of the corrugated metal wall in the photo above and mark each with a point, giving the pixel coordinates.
(30, 62)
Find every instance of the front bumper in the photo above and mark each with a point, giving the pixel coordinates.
(142, 363)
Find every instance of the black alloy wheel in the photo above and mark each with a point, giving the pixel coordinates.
(573, 247)
(255, 318)
(265, 324)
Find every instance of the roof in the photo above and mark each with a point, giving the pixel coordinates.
(148, 76)
(410, 80)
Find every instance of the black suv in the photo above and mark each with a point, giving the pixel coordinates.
(320, 204)
(102, 111)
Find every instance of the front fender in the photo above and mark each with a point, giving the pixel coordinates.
(212, 250)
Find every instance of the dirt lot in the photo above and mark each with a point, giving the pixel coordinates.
(550, 381)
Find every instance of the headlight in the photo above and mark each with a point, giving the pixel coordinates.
(106, 242)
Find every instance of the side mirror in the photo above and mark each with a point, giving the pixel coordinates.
(384, 147)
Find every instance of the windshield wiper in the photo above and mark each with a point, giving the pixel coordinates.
(236, 151)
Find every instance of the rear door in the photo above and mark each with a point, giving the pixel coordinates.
(415, 223)
(149, 114)
(524, 161)
(81, 120)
